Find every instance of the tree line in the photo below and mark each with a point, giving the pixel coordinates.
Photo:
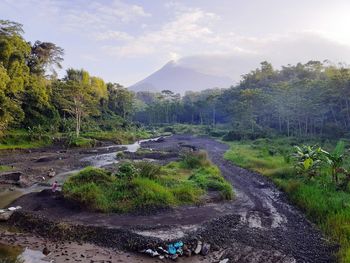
(31, 94)
(311, 99)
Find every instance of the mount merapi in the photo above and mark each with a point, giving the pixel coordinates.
(179, 79)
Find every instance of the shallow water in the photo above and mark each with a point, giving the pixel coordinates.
(99, 160)
(16, 254)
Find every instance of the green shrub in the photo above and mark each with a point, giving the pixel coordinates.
(187, 193)
(127, 170)
(148, 169)
(91, 175)
(195, 159)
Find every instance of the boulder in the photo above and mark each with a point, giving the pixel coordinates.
(205, 249)
(198, 248)
(5, 215)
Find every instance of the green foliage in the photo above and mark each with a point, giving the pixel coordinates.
(308, 159)
(127, 170)
(148, 169)
(5, 168)
(194, 160)
(141, 185)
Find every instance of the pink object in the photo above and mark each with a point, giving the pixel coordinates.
(54, 186)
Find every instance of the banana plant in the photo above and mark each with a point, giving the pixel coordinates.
(335, 159)
(308, 159)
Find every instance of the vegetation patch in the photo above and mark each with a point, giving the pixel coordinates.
(311, 187)
(144, 186)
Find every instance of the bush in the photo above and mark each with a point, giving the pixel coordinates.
(127, 170)
(91, 175)
(194, 159)
(187, 193)
(148, 169)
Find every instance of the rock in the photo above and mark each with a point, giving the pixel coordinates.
(198, 248)
(23, 181)
(10, 177)
(205, 249)
(160, 139)
(187, 252)
(5, 216)
(51, 173)
(46, 251)
(44, 159)
(224, 260)
(11, 208)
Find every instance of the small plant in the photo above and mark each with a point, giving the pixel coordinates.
(127, 170)
(120, 155)
(194, 159)
(148, 169)
(336, 159)
(308, 160)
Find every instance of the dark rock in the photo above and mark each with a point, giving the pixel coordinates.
(205, 249)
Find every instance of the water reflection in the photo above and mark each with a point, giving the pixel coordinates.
(17, 254)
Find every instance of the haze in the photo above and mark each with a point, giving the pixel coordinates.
(124, 41)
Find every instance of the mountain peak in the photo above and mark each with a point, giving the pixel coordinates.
(179, 79)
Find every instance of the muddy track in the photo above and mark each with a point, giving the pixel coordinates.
(258, 226)
(271, 221)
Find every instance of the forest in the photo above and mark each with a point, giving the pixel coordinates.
(310, 99)
(34, 99)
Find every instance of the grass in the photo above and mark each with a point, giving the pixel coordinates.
(320, 199)
(145, 186)
(118, 137)
(20, 139)
(178, 128)
(23, 139)
(5, 168)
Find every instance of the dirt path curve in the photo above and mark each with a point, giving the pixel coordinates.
(258, 226)
(269, 216)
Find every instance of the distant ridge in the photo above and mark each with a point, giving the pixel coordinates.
(180, 79)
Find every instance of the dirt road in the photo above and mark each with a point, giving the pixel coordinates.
(258, 226)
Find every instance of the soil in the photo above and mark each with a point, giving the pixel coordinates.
(259, 225)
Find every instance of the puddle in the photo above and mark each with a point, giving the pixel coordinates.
(7, 196)
(16, 254)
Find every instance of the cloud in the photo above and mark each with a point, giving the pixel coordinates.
(280, 50)
(186, 28)
(113, 35)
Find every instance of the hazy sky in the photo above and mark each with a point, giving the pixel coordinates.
(125, 40)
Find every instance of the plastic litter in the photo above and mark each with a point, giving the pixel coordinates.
(171, 249)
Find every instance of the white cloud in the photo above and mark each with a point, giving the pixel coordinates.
(113, 35)
(186, 28)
